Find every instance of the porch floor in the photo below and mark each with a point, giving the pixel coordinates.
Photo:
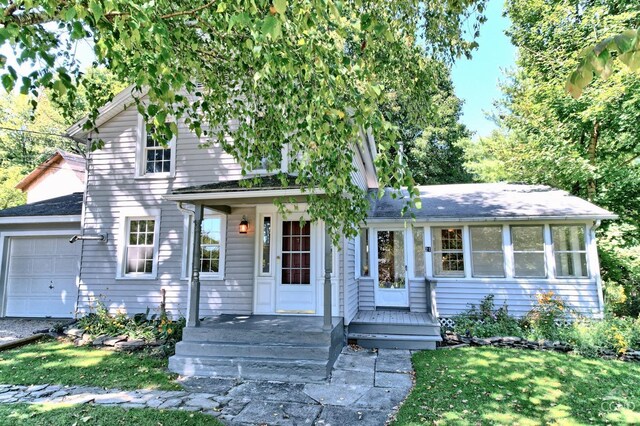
(394, 317)
(269, 323)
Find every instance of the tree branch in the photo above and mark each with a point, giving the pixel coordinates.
(188, 12)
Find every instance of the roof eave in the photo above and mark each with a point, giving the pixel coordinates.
(496, 218)
(237, 194)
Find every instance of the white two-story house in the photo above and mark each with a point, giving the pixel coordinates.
(268, 294)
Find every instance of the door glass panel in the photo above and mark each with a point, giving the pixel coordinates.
(296, 253)
(266, 245)
(391, 271)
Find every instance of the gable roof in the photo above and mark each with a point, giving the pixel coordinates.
(67, 205)
(483, 201)
(258, 183)
(76, 163)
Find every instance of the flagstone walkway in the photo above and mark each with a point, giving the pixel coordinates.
(365, 389)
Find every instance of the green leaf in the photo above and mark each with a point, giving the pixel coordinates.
(96, 9)
(272, 27)
(8, 82)
(281, 6)
(221, 7)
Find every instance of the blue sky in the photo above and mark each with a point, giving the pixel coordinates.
(476, 80)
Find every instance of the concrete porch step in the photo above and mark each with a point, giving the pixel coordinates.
(248, 336)
(255, 350)
(250, 368)
(399, 329)
(395, 341)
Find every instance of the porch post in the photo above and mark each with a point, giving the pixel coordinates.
(327, 280)
(193, 318)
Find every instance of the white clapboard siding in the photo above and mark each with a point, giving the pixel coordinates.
(366, 294)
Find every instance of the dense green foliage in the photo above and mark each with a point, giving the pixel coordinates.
(589, 146)
(311, 74)
(551, 318)
(491, 386)
(91, 415)
(63, 363)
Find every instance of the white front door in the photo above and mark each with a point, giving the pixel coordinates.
(391, 286)
(41, 277)
(296, 291)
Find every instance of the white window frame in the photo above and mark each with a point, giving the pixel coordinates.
(141, 154)
(544, 251)
(585, 251)
(187, 252)
(359, 253)
(465, 243)
(412, 257)
(472, 251)
(357, 260)
(284, 164)
(125, 219)
(260, 233)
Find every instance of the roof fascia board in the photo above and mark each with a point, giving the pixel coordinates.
(227, 195)
(494, 219)
(39, 219)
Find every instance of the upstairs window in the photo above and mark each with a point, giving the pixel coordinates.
(528, 251)
(569, 250)
(155, 156)
(448, 252)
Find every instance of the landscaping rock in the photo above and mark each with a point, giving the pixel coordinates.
(111, 341)
(99, 341)
(130, 345)
(75, 332)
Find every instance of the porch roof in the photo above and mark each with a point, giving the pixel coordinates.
(257, 183)
(488, 201)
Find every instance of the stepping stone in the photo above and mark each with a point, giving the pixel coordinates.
(338, 416)
(348, 377)
(382, 398)
(274, 413)
(355, 363)
(270, 391)
(202, 403)
(394, 380)
(208, 385)
(398, 364)
(335, 394)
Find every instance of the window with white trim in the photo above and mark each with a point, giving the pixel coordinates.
(212, 246)
(365, 270)
(487, 256)
(448, 252)
(569, 251)
(140, 247)
(418, 252)
(156, 155)
(528, 251)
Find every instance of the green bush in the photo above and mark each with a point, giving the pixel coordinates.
(548, 318)
(141, 326)
(485, 320)
(599, 337)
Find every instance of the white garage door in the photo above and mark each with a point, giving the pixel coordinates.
(41, 278)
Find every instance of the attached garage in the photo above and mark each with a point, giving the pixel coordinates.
(39, 266)
(41, 277)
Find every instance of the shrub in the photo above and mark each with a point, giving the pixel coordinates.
(141, 326)
(548, 318)
(612, 335)
(485, 320)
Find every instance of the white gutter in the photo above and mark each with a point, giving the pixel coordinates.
(234, 195)
(488, 219)
(39, 219)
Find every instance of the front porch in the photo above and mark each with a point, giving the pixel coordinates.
(270, 347)
(394, 329)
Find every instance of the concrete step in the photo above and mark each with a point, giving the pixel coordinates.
(399, 329)
(230, 335)
(255, 350)
(394, 341)
(250, 368)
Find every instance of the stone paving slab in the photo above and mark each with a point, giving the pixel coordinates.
(366, 387)
(339, 416)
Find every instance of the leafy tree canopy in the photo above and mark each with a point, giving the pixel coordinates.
(255, 74)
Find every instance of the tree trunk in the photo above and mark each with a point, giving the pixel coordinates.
(591, 153)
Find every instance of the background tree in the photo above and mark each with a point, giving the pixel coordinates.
(261, 73)
(588, 146)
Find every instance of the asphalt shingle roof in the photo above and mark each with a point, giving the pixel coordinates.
(489, 200)
(67, 205)
(257, 183)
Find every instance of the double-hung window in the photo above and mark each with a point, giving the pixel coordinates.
(487, 257)
(139, 248)
(528, 251)
(418, 252)
(448, 252)
(569, 250)
(212, 244)
(156, 155)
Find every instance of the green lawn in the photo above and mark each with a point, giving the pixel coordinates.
(478, 386)
(62, 363)
(59, 415)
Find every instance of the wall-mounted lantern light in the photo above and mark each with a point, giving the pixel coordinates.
(244, 225)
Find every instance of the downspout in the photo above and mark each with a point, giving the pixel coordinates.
(82, 219)
(596, 265)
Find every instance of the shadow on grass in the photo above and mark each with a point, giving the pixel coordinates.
(506, 386)
(56, 362)
(59, 415)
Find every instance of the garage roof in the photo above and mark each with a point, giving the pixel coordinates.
(488, 200)
(67, 205)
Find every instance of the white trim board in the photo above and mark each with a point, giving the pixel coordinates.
(40, 219)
